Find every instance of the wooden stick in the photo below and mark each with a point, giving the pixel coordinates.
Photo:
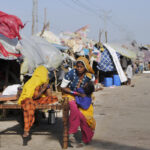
(8, 97)
(65, 122)
(42, 106)
(44, 27)
(55, 81)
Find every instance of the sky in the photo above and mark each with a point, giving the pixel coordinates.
(124, 20)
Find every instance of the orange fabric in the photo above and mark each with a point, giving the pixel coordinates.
(29, 106)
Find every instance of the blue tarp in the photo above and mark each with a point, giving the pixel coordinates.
(106, 62)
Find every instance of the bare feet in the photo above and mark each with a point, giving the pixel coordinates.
(81, 145)
(26, 134)
(72, 138)
(99, 89)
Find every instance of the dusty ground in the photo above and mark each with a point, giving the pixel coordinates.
(122, 115)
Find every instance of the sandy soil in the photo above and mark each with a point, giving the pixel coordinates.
(122, 115)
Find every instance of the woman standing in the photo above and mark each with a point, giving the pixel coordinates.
(35, 91)
(74, 79)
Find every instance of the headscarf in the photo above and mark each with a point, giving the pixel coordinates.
(86, 64)
(39, 77)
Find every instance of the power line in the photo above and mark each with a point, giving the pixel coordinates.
(104, 15)
(68, 5)
(73, 8)
(88, 9)
(90, 3)
(81, 5)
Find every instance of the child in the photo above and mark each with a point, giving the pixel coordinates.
(84, 100)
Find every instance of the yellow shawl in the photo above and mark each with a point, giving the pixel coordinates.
(88, 114)
(39, 77)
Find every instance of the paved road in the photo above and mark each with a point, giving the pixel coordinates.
(122, 115)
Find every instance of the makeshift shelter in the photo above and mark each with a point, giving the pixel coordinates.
(116, 61)
(127, 52)
(146, 56)
(10, 26)
(10, 67)
(109, 62)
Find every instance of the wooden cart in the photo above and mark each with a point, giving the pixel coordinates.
(59, 106)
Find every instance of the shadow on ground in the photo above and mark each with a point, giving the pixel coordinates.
(39, 128)
(108, 145)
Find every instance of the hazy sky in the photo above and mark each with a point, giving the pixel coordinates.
(123, 19)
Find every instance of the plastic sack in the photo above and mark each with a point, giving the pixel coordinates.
(11, 89)
(51, 55)
(40, 52)
(30, 51)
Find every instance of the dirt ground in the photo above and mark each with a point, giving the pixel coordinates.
(122, 116)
